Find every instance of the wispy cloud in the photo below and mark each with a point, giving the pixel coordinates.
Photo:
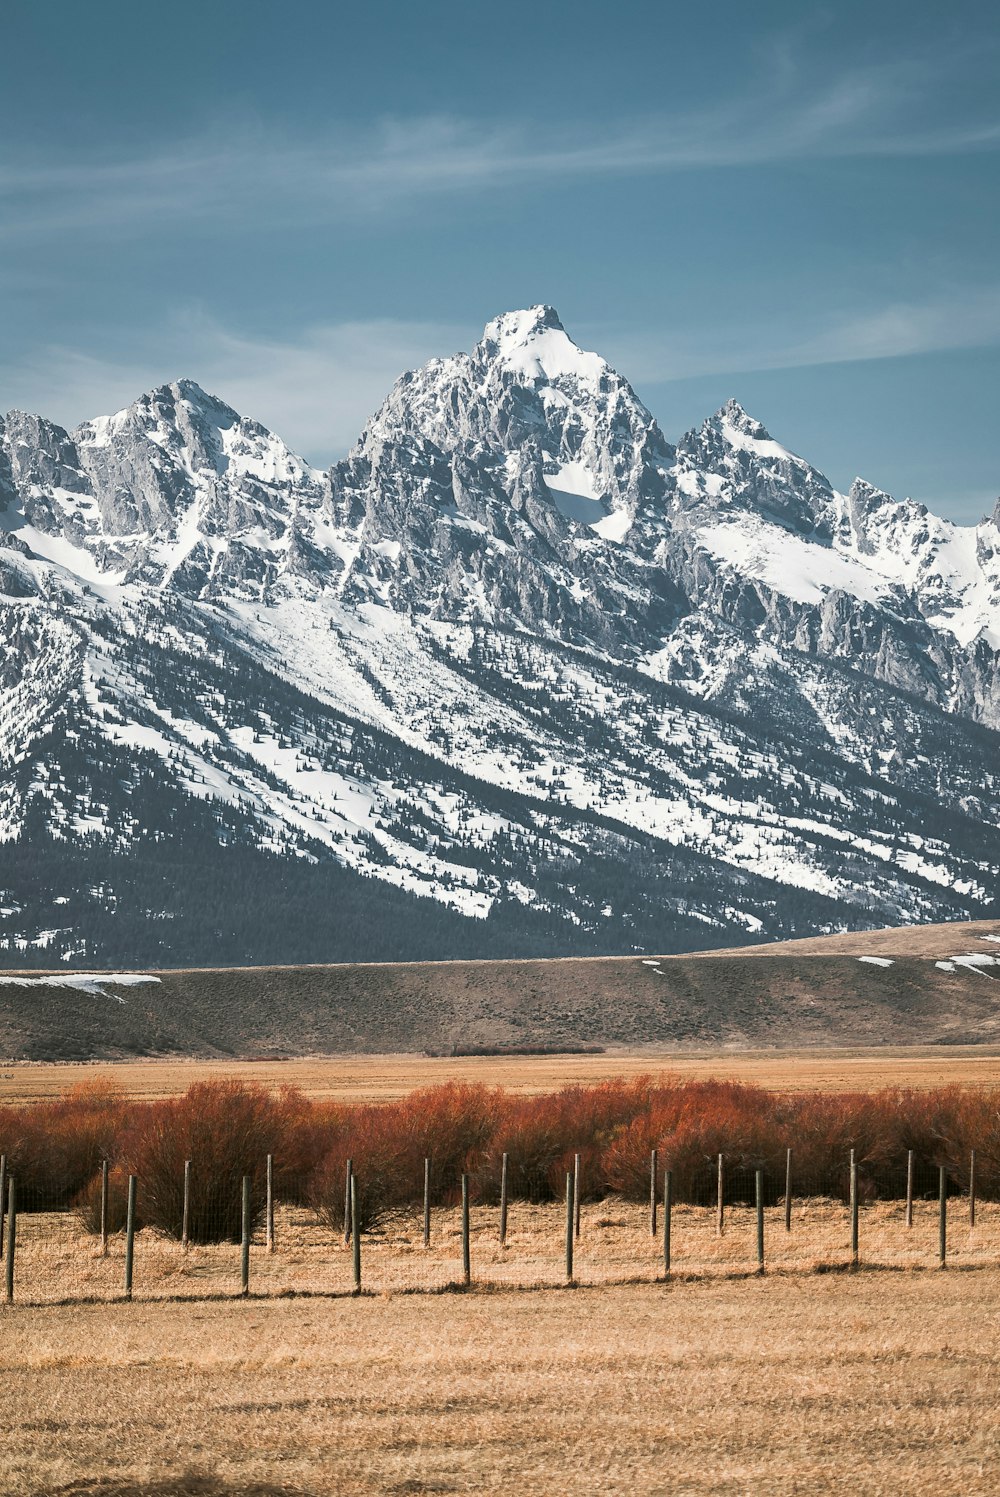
(957, 317)
(315, 390)
(252, 173)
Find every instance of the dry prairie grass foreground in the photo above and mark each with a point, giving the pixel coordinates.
(869, 1383)
(57, 1262)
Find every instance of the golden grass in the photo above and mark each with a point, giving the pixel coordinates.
(57, 1261)
(873, 1382)
(382, 1078)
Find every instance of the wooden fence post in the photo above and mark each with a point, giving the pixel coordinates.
(570, 1226)
(759, 1186)
(668, 1183)
(427, 1203)
(11, 1236)
(269, 1205)
(130, 1237)
(854, 1211)
(348, 1200)
(186, 1208)
(720, 1207)
(652, 1192)
(942, 1215)
(788, 1190)
(104, 1208)
(245, 1238)
(972, 1190)
(352, 1194)
(3, 1196)
(909, 1187)
(466, 1259)
(503, 1201)
(576, 1190)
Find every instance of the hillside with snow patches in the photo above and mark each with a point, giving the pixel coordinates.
(517, 676)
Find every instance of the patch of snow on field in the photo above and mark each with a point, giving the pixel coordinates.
(83, 982)
(876, 961)
(976, 961)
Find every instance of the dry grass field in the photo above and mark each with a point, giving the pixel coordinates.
(57, 1261)
(809, 1378)
(383, 1078)
(872, 1382)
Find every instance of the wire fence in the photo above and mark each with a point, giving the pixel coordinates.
(200, 1236)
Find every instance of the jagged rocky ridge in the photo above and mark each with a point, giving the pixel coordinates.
(516, 675)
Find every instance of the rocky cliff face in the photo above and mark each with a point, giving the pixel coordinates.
(517, 654)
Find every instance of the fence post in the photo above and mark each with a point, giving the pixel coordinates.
(972, 1190)
(668, 1182)
(3, 1196)
(269, 1205)
(503, 1201)
(466, 1260)
(245, 1239)
(348, 1200)
(720, 1208)
(104, 1208)
(130, 1237)
(909, 1187)
(11, 1236)
(652, 1192)
(788, 1190)
(570, 1225)
(427, 1203)
(854, 1211)
(352, 1195)
(759, 1185)
(186, 1209)
(942, 1215)
(576, 1190)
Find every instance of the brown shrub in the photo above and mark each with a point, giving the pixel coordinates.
(383, 1185)
(54, 1148)
(88, 1203)
(452, 1126)
(226, 1129)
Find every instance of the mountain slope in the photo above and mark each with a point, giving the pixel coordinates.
(517, 661)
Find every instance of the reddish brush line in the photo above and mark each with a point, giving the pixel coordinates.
(228, 1128)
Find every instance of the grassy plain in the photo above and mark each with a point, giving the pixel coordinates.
(382, 1078)
(57, 1261)
(872, 1382)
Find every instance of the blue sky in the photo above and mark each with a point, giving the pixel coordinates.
(796, 205)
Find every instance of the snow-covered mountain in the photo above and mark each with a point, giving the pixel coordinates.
(518, 674)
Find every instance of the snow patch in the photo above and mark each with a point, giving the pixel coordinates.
(93, 983)
(790, 565)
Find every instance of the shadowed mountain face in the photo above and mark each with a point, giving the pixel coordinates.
(517, 676)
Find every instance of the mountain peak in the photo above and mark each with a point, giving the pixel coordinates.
(190, 393)
(533, 344)
(868, 495)
(733, 417)
(512, 329)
